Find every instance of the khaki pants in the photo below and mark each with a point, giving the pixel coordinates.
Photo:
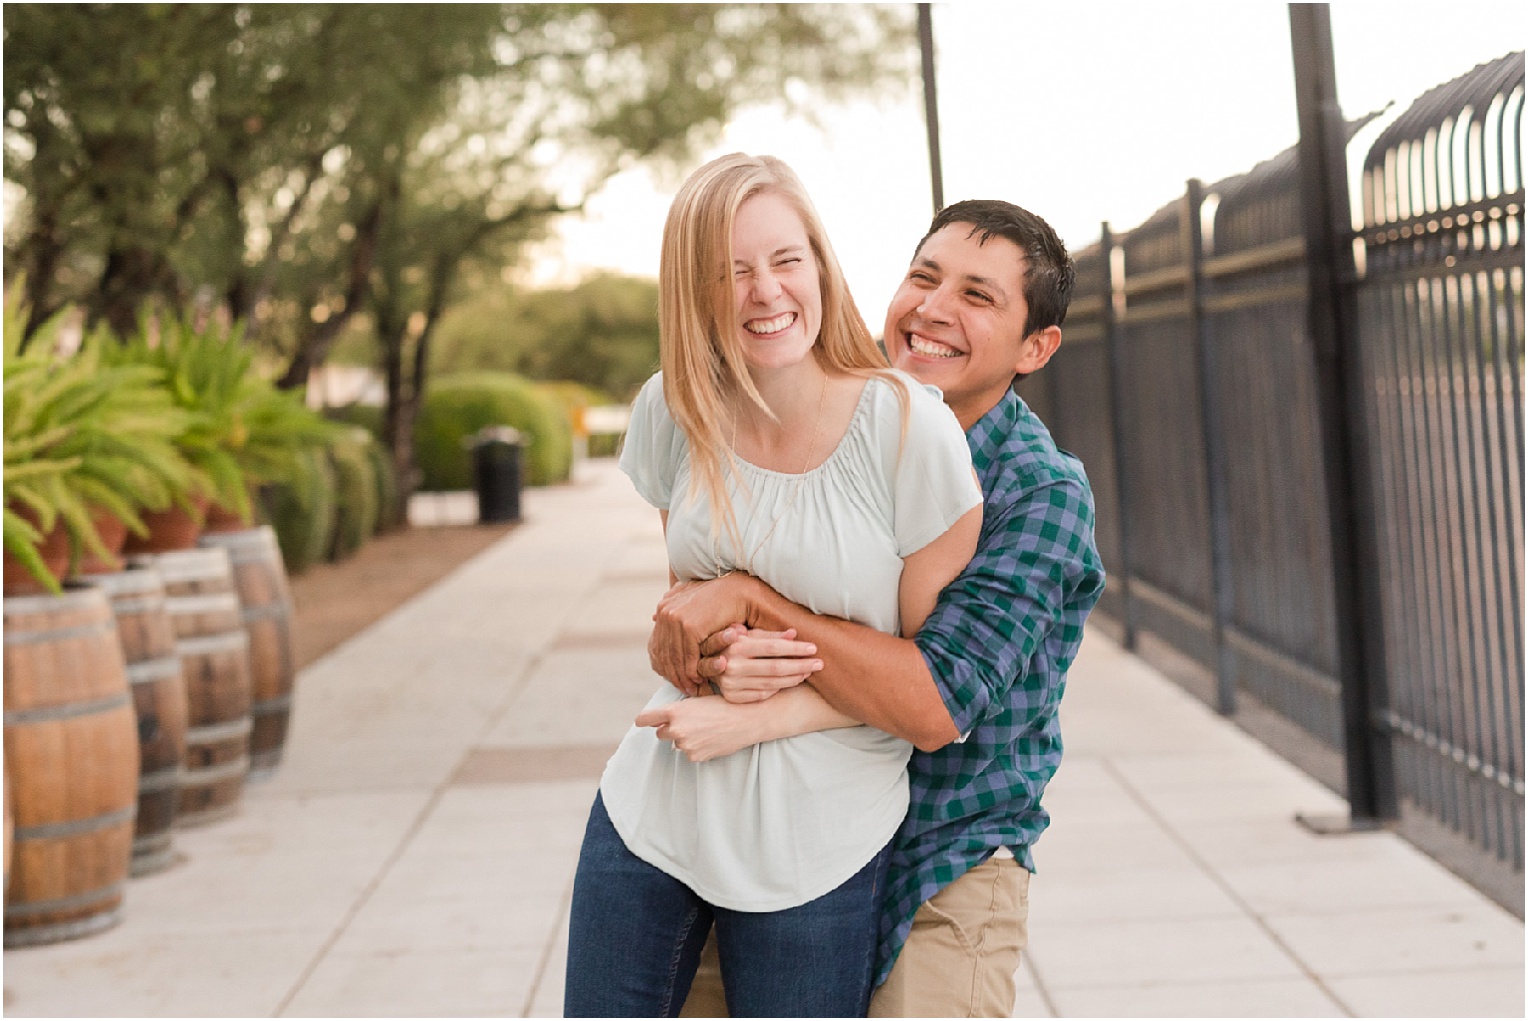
(959, 959)
(707, 998)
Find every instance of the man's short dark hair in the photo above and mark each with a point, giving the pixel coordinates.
(1049, 274)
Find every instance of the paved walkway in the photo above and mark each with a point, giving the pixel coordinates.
(414, 854)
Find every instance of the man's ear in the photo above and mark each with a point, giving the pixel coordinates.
(1037, 349)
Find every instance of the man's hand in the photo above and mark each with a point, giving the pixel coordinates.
(703, 728)
(749, 665)
(687, 615)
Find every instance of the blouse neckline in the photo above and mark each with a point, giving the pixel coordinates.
(859, 412)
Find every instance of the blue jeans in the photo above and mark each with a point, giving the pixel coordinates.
(635, 936)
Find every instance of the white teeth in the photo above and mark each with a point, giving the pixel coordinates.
(774, 325)
(930, 349)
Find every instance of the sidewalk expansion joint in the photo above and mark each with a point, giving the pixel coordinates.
(1230, 891)
(600, 640)
(544, 764)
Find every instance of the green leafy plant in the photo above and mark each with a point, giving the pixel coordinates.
(240, 430)
(277, 428)
(81, 438)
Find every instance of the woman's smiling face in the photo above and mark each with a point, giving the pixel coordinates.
(776, 283)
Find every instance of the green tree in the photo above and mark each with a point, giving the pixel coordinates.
(296, 164)
(602, 333)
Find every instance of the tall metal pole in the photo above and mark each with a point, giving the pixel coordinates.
(930, 102)
(1333, 325)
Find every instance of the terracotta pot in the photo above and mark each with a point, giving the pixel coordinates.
(113, 532)
(225, 519)
(54, 550)
(173, 529)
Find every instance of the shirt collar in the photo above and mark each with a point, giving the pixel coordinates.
(987, 434)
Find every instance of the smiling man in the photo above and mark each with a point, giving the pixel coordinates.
(978, 688)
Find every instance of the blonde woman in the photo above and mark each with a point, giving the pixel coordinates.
(775, 441)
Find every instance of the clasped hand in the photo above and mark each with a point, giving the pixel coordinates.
(694, 642)
(749, 665)
(755, 665)
(744, 665)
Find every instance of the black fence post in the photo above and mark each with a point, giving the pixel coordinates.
(1116, 360)
(1223, 594)
(1340, 394)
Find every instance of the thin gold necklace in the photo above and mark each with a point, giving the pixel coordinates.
(800, 476)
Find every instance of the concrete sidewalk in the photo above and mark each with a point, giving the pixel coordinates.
(414, 854)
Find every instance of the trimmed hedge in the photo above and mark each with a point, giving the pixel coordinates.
(339, 496)
(302, 512)
(356, 511)
(457, 406)
(388, 512)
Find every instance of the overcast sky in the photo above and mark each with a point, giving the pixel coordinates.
(1081, 112)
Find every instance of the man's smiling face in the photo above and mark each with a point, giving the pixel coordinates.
(958, 320)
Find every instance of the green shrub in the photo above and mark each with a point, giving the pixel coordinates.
(302, 510)
(367, 416)
(355, 485)
(458, 406)
(386, 478)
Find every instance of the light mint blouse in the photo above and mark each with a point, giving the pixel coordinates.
(778, 824)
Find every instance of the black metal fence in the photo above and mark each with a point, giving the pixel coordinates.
(1187, 384)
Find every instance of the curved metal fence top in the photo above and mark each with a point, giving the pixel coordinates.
(1474, 90)
(1262, 205)
(1459, 145)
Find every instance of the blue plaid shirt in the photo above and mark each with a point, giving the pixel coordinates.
(998, 644)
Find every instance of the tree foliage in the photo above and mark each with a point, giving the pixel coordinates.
(292, 165)
(602, 332)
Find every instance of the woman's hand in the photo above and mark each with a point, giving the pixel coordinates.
(706, 727)
(749, 665)
(710, 727)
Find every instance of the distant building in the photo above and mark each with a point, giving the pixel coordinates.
(334, 386)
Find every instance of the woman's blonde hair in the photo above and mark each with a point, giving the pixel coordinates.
(703, 366)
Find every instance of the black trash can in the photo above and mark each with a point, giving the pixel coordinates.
(497, 465)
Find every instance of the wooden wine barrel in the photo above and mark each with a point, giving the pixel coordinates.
(10, 833)
(71, 757)
(214, 656)
(159, 697)
(265, 601)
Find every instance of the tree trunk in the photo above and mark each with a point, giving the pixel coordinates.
(44, 250)
(127, 281)
(400, 441)
(313, 348)
(402, 408)
(237, 294)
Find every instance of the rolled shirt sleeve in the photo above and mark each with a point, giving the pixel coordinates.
(989, 621)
